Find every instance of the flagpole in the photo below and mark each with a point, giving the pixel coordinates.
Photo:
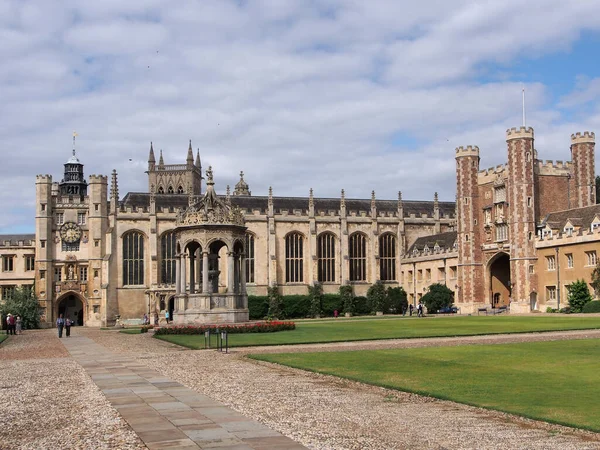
(524, 123)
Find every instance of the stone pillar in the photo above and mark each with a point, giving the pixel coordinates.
(183, 273)
(242, 275)
(205, 289)
(178, 275)
(192, 273)
(199, 268)
(230, 273)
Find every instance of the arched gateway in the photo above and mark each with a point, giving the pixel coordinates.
(71, 306)
(500, 285)
(210, 238)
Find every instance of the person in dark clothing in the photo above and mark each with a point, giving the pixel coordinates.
(68, 324)
(410, 309)
(60, 323)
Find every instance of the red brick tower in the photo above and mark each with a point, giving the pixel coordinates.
(470, 258)
(521, 214)
(582, 156)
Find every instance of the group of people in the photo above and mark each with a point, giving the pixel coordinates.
(66, 324)
(14, 325)
(410, 309)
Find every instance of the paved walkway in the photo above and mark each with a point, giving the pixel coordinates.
(166, 414)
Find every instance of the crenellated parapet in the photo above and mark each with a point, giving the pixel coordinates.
(98, 179)
(469, 150)
(587, 137)
(41, 179)
(557, 168)
(519, 133)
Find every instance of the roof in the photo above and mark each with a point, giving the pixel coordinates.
(443, 240)
(581, 217)
(289, 204)
(15, 238)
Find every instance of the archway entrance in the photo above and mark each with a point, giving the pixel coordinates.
(500, 280)
(171, 308)
(71, 306)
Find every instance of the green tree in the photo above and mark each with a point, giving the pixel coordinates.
(315, 292)
(397, 299)
(376, 297)
(275, 302)
(438, 296)
(24, 304)
(579, 295)
(347, 297)
(596, 279)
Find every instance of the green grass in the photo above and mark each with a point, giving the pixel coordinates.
(551, 381)
(398, 328)
(3, 337)
(131, 331)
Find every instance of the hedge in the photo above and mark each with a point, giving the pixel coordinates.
(261, 327)
(258, 306)
(298, 306)
(592, 307)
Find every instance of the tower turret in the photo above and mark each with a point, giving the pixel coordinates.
(190, 156)
(584, 173)
(151, 159)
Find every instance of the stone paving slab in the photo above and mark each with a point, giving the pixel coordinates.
(164, 413)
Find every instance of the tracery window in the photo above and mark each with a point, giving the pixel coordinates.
(326, 257)
(170, 190)
(161, 190)
(133, 258)
(167, 254)
(387, 257)
(180, 190)
(249, 258)
(294, 253)
(358, 257)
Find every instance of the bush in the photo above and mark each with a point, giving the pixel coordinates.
(263, 327)
(258, 306)
(579, 295)
(331, 302)
(296, 306)
(592, 307)
(275, 302)
(438, 296)
(376, 297)
(315, 293)
(361, 306)
(397, 299)
(24, 304)
(145, 328)
(549, 309)
(347, 299)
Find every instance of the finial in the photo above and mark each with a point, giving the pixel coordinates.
(311, 200)
(74, 136)
(435, 197)
(228, 191)
(209, 175)
(151, 158)
(241, 174)
(190, 154)
(343, 198)
(114, 186)
(161, 161)
(399, 196)
(198, 164)
(271, 191)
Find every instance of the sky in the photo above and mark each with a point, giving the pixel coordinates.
(324, 94)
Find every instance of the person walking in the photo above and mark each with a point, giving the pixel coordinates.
(68, 324)
(155, 319)
(60, 323)
(145, 319)
(19, 325)
(410, 310)
(420, 310)
(10, 322)
(167, 316)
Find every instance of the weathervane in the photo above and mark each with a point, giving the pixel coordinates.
(74, 136)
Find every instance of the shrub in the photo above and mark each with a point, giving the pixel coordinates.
(438, 296)
(376, 297)
(361, 306)
(397, 299)
(24, 304)
(145, 328)
(296, 306)
(275, 302)
(261, 327)
(315, 293)
(579, 295)
(549, 309)
(347, 299)
(258, 306)
(592, 307)
(331, 302)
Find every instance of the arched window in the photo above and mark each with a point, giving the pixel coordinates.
(387, 257)
(294, 258)
(133, 259)
(161, 190)
(249, 258)
(326, 257)
(167, 255)
(358, 257)
(170, 190)
(180, 190)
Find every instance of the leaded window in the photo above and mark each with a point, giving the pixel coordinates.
(358, 257)
(326, 257)
(133, 259)
(294, 254)
(250, 258)
(387, 257)
(167, 254)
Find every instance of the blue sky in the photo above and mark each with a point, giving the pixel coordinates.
(322, 94)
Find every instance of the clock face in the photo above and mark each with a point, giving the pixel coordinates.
(70, 232)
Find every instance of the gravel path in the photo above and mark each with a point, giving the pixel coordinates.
(49, 402)
(325, 412)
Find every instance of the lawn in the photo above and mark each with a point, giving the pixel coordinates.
(551, 381)
(398, 328)
(3, 337)
(131, 331)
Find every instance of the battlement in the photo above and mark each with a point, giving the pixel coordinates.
(490, 175)
(98, 179)
(550, 167)
(39, 179)
(493, 170)
(586, 137)
(519, 133)
(469, 150)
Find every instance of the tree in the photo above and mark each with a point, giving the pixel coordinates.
(376, 297)
(579, 295)
(438, 296)
(397, 299)
(347, 298)
(596, 278)
(24, 304)
(275, 302)
(315, 292)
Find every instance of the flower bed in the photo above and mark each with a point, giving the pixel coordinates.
(259, 327)
(145, 328)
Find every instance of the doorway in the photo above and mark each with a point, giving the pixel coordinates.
(500, 280)
(71, 307)
(171, 308)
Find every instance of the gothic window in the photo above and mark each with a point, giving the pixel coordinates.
(167, 254)
(551, 262)
(29, 262)
(161, 190)
(180, 190)
(133, 259)
(8, 292)
(569, 260)
(170, 190)
(8, 263)
(358, 257)
(500, 194)
(326, 257)
(501, 232)
(70, 247)
(591, 258)
(81, 218)
(60, 218)
(83, 274)
(249, 258)
(387, 257)
(294, 246)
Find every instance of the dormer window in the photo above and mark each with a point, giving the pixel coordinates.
(546, 233)
(568, 231)
(595, 226)
(426, 250)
